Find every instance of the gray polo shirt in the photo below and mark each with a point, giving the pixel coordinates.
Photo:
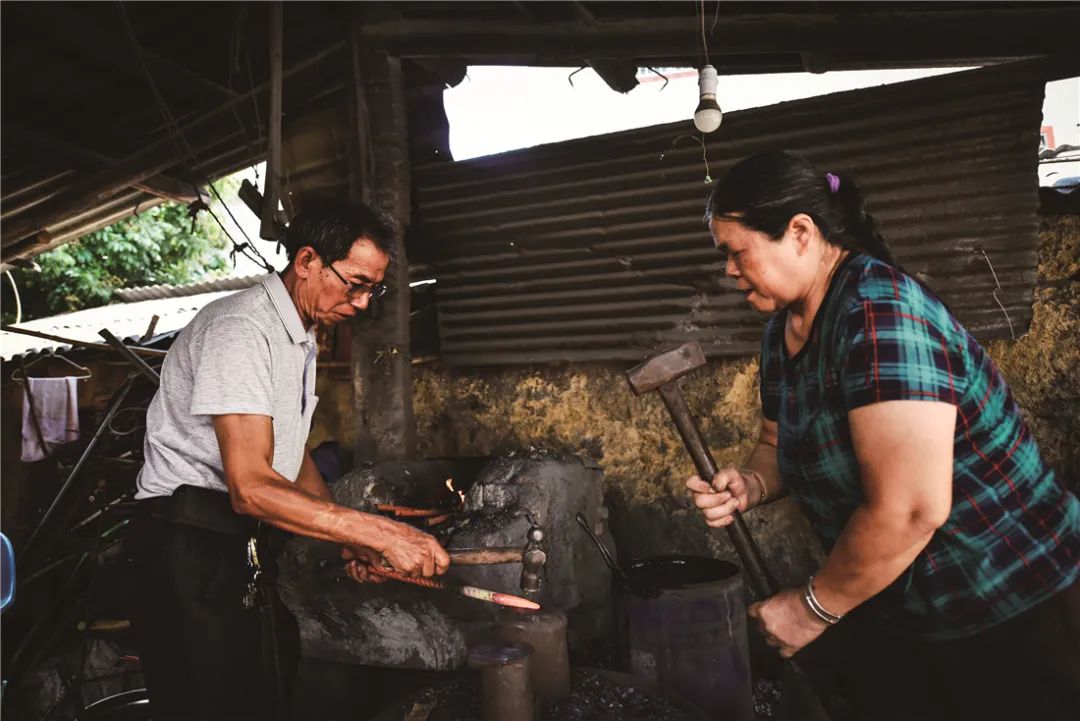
(246, 353)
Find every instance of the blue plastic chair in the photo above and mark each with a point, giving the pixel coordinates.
(7, 573)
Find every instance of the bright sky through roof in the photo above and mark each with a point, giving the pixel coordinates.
(496, 109)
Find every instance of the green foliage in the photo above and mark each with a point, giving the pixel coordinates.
(156, 246)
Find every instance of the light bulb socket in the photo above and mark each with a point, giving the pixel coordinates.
(707, 80)
(707, 116)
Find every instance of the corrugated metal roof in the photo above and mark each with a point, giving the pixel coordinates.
(594, 249)
(154, 292)
(125, 320)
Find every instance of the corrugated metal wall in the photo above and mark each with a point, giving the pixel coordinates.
(594, 249)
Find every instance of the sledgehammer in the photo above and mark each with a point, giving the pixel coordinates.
(661, 373)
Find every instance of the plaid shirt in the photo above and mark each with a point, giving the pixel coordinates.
(1013, 536)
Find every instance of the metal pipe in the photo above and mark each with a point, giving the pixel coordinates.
(130, 355)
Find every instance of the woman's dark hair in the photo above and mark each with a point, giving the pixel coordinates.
(331, 226)
(766, 190)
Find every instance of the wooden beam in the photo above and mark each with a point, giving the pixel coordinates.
(103, 45)
(253, 199)
(163, 186)
(146, 163)
(951, 34)
(268, 227)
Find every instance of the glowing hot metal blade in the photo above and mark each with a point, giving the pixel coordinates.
(503, 599)
(480, 594)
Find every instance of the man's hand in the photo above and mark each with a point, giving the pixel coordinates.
(360, 560)
(786, 622)
(730, 491)
(413, 552)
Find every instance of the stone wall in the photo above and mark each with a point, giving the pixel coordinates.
(1043, 367)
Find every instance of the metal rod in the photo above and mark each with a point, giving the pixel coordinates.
(149, 352)
(129, 353)
(480, 594)
(409, 512)
(604, 552)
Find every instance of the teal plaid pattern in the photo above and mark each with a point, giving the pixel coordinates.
(1013, 536)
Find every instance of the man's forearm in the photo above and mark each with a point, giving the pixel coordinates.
(873, 550)
(310, 479)
(276, 501)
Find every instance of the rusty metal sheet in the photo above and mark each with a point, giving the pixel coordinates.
(594, 249)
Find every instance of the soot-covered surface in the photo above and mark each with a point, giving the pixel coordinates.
(398, 626)
(595, 695)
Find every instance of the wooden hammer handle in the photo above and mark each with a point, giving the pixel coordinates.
(484, 556)
(761, 581)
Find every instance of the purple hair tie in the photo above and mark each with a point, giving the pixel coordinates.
(834, 182)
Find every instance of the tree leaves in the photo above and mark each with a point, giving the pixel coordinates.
(154, 247)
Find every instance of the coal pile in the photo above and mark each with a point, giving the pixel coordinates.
(594, 696)
(767, 695)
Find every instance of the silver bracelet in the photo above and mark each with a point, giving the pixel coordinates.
(760, 481)
(816, 607)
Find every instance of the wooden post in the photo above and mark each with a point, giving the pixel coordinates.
(381, 357)
(268, 228)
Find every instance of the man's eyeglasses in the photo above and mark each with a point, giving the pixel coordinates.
(355, 290)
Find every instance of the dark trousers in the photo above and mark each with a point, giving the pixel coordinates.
(205, 656)
(1025, 668)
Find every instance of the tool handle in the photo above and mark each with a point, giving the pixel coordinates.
(391, 573)
(761, 582)
(407, 512)
(604, 552)
(484, 556)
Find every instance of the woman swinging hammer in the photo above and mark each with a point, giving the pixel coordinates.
(953, 551)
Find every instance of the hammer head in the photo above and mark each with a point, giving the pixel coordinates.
(665, 367)
(533, 560)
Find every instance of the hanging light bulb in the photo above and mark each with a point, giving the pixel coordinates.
(707, 117)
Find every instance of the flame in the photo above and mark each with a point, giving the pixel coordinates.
(450, 487)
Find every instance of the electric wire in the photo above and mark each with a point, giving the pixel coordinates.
(704, 41)
(246, 249)
(18, 300)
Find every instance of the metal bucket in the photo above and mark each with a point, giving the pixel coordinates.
(682, 625)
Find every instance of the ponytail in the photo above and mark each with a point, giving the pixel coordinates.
(858, 230)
